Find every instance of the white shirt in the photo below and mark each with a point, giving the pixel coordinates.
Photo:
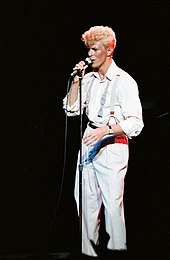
(97, 99)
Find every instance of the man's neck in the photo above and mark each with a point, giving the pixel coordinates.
(104, 68)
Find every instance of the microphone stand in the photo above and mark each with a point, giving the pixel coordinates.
(80, 165)
(79, 74)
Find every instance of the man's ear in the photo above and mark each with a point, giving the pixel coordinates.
(109, 51)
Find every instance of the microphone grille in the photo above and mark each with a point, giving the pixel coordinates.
(88, 60)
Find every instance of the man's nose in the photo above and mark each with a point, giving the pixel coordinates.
(90, 52)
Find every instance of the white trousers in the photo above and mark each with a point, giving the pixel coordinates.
(103, 182)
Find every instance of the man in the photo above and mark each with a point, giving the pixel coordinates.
(111, 101)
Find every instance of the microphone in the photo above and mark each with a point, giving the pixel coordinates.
(87, 61)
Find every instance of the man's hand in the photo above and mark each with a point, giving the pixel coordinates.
(95, 135)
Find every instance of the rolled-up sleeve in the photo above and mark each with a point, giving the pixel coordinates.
(131, 108)
(132, 126)
(71, 110)
(74, 110)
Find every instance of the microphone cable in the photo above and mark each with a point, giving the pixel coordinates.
(64, 163)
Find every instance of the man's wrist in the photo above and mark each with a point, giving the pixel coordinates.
(76, 79)
(110, 130)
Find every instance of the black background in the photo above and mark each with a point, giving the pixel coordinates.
(40, 43)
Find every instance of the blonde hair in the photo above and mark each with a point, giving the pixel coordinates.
(103, 34)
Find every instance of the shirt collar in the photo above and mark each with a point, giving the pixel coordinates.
(111, 70)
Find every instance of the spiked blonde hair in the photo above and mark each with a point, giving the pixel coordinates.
(100, 33)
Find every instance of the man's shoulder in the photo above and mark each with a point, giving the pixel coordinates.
(88, 75)
(125, 76)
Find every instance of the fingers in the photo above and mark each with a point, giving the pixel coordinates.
(80, 66)
(90, 139)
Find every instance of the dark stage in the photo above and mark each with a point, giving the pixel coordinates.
(40, 43)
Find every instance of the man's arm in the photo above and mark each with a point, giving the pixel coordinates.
(73, 92)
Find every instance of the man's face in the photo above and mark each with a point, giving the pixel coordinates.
(98, 54)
